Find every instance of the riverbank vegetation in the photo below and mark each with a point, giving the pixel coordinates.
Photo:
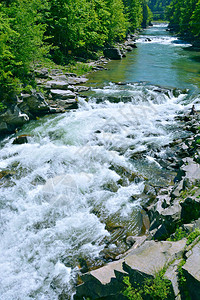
(184, 16)
(61, 31)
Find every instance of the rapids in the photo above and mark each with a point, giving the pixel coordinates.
(76, 188)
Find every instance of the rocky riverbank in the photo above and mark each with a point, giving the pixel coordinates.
(58, 91)
(172, 241)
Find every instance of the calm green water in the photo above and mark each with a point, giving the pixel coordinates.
(165, 61)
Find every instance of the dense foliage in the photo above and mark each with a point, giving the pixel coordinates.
(158, 8)
(184, 16)
(31, 29)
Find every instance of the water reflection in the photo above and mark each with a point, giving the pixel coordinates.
(164, 60)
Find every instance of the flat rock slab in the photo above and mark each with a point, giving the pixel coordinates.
(145, 261)
(53, 84)
(77, 80)
(191, 168)
(62, 94)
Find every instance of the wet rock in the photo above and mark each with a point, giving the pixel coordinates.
(63, 94)
(34, 104)
(112, 53)
(12, 118)
(6, 174)
(129, 48)
(192, 272)
(21, 139)
(80, 89)
(130, 43)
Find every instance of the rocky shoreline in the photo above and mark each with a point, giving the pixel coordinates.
(172, 239)
(60, 91)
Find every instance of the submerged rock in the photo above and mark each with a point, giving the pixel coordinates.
(21, 139)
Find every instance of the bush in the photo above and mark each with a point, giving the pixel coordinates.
(157, 288)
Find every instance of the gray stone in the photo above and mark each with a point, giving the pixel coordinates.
(192, 169)
(77, 80)
(42, 73)
(140, 263)
(34, 104)
(52, 84)
(13, 118)
(130, 43)
(62, 94)
(172, 275)
(192, 272)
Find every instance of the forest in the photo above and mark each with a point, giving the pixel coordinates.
(60, 30)
(158, 8)
(184, 16)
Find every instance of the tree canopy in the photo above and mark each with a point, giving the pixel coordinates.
(184, 16)
(31, 29)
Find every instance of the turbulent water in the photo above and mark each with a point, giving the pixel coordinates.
(76, 188)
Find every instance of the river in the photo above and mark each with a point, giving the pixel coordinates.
(75, 190)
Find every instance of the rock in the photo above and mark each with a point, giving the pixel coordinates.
(52, 84)
(62, 94)
(164, 216)
(55, 72)
(140, 263)
(34, 104)
(172, 275)
(190, 209)
(129, 48)
(3, 127)
(12, 118)
(130, 43)
(192, 272)
(70, 74)
(77, 80)
(137, 241)
(192, 169)
(80, 89)
(42, 73)
(112, 53)
(21, 139)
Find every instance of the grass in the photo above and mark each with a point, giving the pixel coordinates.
(79, 68)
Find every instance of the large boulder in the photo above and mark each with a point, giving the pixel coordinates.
(112, 53)
(11, 119)
(140, 263)
(34, 104)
